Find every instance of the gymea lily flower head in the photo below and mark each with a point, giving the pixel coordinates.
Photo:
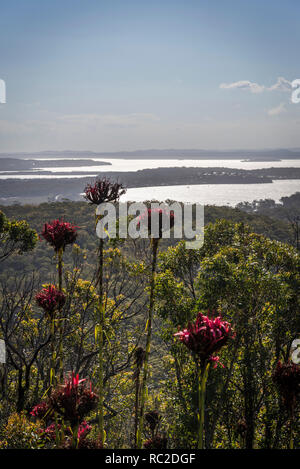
(103, 190)
(74, 399)
(205, 337)
(41, 410)
(287, 377)
(50, 299)
(83, 430)
(59, 233)
(164, 217)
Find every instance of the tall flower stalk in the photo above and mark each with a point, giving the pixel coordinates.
(59, 234)
(148, 217)
(51, 300)
(139, 360)
(102, 191)
(204, 338)
(202, 375)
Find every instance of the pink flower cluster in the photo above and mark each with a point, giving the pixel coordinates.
(59, 233)
(50, 299)
(205, 337)
(40, 411)
(73, 400)
(83, 430)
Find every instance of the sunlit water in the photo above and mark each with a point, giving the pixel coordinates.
(218, 194)
(135, 165)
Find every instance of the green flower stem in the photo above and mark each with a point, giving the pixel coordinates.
(136, 407)
(60, 263)
(60, 321)
(57, 432)
(60, 344)
(202, 379)
(53, 355)
(75, 436)
(148, 345)
(100, 342)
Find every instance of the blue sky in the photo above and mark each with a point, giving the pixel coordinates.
(123, 75)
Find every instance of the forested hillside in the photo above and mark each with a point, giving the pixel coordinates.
(81, 214)
(179, 348)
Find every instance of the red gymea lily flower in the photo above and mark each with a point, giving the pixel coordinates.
(40, 411)
(163, 217)
(50, 299)
(83, 430)
(205, 337)
(287, 377)
(73, 400)
(72, 384)
(59, 233)
(103, 190)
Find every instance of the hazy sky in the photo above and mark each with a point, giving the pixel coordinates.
(109, 75)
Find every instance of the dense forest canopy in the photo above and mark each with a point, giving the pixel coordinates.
(84, 308)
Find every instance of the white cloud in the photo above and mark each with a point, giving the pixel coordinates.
(282, 84)
(243, 84)
(275, 111)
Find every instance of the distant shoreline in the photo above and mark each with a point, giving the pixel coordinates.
(17, 164)
(71, 187)
(165, 154)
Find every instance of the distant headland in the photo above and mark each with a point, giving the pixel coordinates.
(252, 155)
